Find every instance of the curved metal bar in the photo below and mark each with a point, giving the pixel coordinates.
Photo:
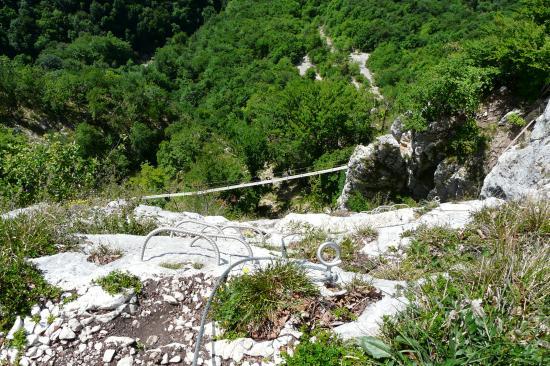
(206, 310)
(240, 228)
(196, 222)
(215, 236)
(181, 231)
(223, 278)
(329, 244)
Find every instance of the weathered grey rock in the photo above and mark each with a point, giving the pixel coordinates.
(373, 168)
(75, 325)
(428, 150)
(397, 129)
(175, 359)
(453, 180)
(29, 324)
(67, 334)
(170, 299)
(54, 326)
(523, 171)
(120, 341)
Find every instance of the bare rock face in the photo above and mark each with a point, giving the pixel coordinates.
(428, 151)
(523, 171)
(376, 167)
(453, 180)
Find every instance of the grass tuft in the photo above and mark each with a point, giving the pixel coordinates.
(172, 265)
(484, 295)
(117, 282)
(256, 304)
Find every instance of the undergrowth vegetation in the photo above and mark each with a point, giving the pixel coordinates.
(255, 304)
(117, 282)
(478, 296)
(484, 299)
(46, 231)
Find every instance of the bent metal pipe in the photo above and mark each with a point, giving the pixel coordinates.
(181, 231)
(330, 277)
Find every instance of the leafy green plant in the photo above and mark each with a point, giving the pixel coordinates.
(326, 349)
(67, 299)
(198, 265)
(117, 282)
(19, 340)
(52, 169)
(253, 304)
(28, 236)
(344, 314)
(515, 120)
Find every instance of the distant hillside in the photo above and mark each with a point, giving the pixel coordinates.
(223, 102)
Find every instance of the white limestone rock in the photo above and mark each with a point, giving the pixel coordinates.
(67, 334)
(523, 171)
(120, 341)
(376, 167)
(18, 324)
(126, 361)
(108, 355)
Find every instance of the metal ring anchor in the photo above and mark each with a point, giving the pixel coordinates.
(329, 264)
(181, 231)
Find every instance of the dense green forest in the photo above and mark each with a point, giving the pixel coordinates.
(171, 95)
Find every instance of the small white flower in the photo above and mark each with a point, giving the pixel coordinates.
(477, 309)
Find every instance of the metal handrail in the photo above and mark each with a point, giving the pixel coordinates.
(240, 228)
(329, 277)
(196, 222)
(181, 231)
(215, 236)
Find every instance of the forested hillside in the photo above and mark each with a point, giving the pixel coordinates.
(173, 95)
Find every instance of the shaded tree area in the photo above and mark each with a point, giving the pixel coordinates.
(435, 58)
(188, 94)
(30, 26)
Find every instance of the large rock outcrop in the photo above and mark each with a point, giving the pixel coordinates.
(374, 168)
(404, 162)
(453, 180)
(524, 170)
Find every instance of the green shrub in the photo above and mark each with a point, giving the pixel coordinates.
(90, 140)
(19, 340)
(28, 236)
(516, 120)
(252, 303)
(326, 350)
(52, 169)
(117, 282)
